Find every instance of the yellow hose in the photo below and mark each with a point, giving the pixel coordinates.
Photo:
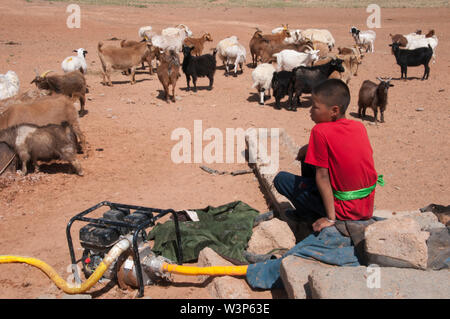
(211, 271)
(113, 254)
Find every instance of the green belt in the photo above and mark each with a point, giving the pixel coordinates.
(360, 193)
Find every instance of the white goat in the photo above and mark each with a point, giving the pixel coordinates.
(223, 45)
(235, 54)
(289, 59)
(423, 43)
(9, 85)
(262, 80)
(173, 31)
(171, 40)
(145, 32)
(365, 38)
(73, 63)
(321, 35)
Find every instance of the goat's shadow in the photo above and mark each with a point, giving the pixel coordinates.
(162, 95)
(254, 97)
(129, 81)
(199, 88)
(369, 118)
(56, 168)
(408, 78)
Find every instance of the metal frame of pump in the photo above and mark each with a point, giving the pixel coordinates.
(137, 228)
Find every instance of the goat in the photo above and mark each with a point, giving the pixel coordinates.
(364, 38)
(354, 50)
(171, 31)
(414, 41)
(281, 86)
(304, 79)
(373, 96)
(321, 35)
(31, 142)
(268, 51)
(121, 59)
(23, 97)
(223, 45)
(262, 80)
(168, 72)
(171, 38)
(256, 45)
(198, 66)
(294, 37)
(289, 59)
(404, 39)
(350, 64)
(9, 85)
(148, 56)
(73, 63)
(259, 42)
(198, 43)
(72, 84)
(235, 54)
(44, 110)
(405, 58)
(145, 32)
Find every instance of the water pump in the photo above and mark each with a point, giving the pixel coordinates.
(138, 266)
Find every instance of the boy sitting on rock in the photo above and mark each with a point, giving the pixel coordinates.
(341, 184)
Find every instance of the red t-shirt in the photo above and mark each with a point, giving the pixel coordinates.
(344, 148)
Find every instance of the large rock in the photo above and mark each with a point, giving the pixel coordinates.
(396, 242)
(269, 235)
(260, 162)
(222, 287)
(426, 220)
(379, 283)
(295, 272)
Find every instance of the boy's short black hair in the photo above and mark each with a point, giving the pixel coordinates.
(333, 92)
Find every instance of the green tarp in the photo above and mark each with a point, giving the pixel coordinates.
(225, 229)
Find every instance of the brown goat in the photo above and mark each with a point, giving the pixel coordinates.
(257, 44)
(45, 110)
(124, 59)
(168, 72)
(198, 43)
(260, 42)
(26, 96)
(374, 96)
(148, 57)
(31, 142)
(72, 84)
(399, 38)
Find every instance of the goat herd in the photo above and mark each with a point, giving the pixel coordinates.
(43, 124)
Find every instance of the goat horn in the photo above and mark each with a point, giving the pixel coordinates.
(380, 79)
(36, 71)
(43, 75)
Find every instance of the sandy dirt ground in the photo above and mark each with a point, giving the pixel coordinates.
(132, 126)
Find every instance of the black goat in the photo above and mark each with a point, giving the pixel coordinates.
(304, 79)
(416, 57)
(280, 85)
(373, 96)
(198, 66)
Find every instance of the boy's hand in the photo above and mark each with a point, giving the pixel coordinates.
(302, 152)
(321, 223)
